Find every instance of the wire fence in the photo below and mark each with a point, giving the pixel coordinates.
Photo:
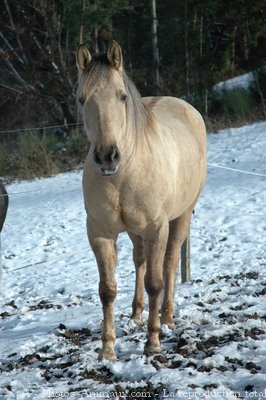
(242, 171)
(58, 258)
(41, 128)
(213, 165)
(37, 191)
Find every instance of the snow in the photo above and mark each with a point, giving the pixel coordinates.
(244, 81)
(51, 313)
(240, 82)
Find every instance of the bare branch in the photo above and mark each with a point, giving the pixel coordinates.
(8, 44)
(15, 31)
(10, 88)
(15, 73)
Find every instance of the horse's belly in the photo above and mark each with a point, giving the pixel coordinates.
(176, 205)
(185, 195)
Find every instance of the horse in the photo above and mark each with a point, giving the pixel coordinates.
(3, 204)
(3, 211)
(143, 175)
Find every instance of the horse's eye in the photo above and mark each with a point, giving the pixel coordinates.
(123, 98)
(81, 101)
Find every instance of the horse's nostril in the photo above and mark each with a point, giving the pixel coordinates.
(97, 157)
(107, 159)
(115, 155)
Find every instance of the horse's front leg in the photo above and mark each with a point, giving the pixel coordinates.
(156, 241)
(178, 231)
(104, 248)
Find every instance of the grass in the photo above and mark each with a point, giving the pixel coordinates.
(233, 108)
(35, 154)
(237, 103)
(2, 160)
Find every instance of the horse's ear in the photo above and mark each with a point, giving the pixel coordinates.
(114, 55)
(83, 57)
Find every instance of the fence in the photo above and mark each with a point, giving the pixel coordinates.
(213, 165)
(40, 128)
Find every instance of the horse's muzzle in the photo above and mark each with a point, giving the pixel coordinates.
(107, 160)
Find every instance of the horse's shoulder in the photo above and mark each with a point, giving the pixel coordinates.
(169, 109)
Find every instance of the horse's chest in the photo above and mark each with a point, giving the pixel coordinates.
(103, 205)
(118, 210)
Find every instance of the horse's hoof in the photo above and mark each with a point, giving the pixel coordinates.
(151, 349)
(168, 321)
(138, 321)
(171, 326)
(107, 355)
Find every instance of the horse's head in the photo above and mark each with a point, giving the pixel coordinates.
(103, 96)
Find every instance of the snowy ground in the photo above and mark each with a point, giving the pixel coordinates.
(51, 313)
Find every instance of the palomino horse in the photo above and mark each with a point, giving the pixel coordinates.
(144, 173)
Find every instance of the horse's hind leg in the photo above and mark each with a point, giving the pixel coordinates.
(104, 248)
(140, 266)
(178, 232)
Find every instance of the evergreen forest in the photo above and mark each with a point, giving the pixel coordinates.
(171, 47)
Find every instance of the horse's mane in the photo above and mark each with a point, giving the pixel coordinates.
(140, 115)
(99, 71)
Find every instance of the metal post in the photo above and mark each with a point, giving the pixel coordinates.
(185, 260)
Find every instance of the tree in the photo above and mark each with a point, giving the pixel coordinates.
(201, 42)
(156, 59)
(34, 62)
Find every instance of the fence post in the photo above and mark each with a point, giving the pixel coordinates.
(185, 260)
